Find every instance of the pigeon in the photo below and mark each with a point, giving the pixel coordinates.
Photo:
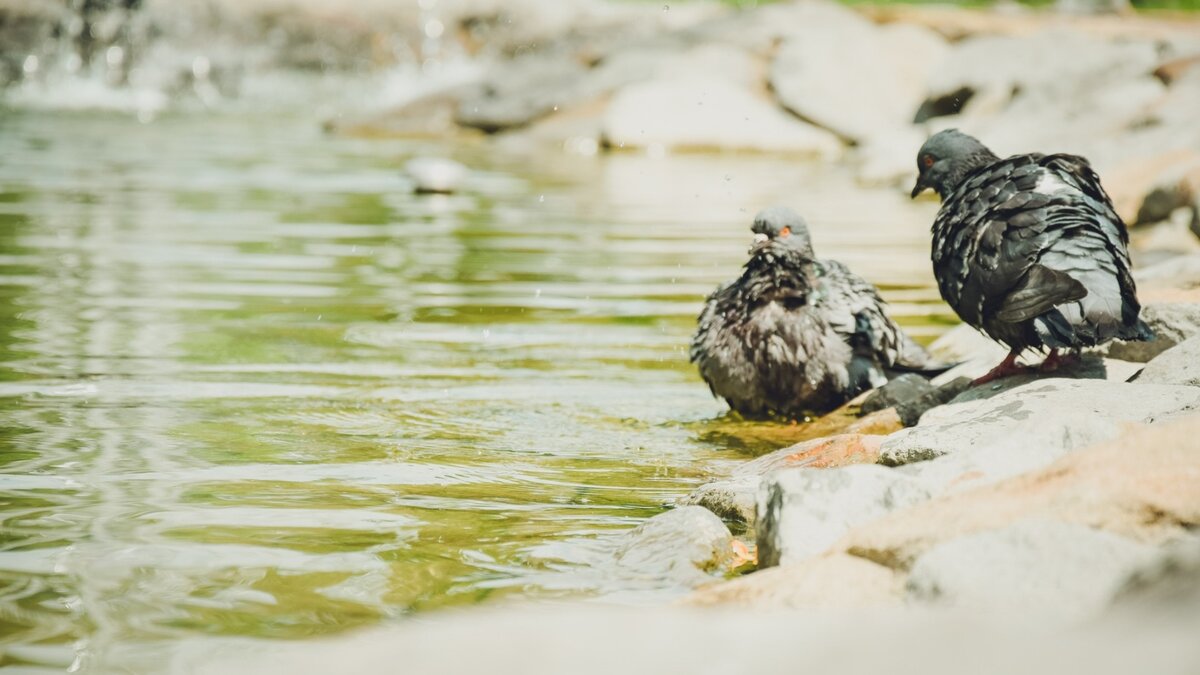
(1029, 250)
(795, 335)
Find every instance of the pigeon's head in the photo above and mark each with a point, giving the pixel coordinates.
(781, 229)
(946, 159)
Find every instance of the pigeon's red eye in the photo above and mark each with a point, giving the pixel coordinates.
(927, 160)
(785, 232)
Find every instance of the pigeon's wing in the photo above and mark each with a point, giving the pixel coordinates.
(854, 309)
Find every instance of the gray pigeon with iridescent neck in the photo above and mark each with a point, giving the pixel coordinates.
(1028, 249)
(795, 335)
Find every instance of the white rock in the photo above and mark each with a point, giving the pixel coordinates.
(1045, 567)
(435, 174)
(802, 512)
(1025, 428)
(708, 113)
(1178, 365)
(855, 79)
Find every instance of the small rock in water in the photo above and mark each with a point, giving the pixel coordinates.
(435, 175)
(685, 544)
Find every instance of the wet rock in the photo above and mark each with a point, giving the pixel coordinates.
(818, 453)
(700, 113)
(1139, 485)
(1171, 322)
(435, 175)
(804, 511)
(735, 499)
(836, 581)
(686, 544)
(1178, 365)
(910, 395)
(732, 499)
(887, 66)
(1044, 567)
(1035, 423)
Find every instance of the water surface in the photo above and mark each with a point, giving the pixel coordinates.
(252, 387)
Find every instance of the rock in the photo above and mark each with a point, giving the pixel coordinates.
(803, 511)
(1035, 423)
(887, 66)
(1172, 323)
(732, 499)
(889, 159)
(699, 113)
(1178, 365)
(518, 92)
(435, 175)
(1140, 485)
(686, 544)
(1041, 567)
(1171, 579)
(910, 395)
(818, 453)
(993, 67)
(836, 581)
(735, 498)
(1179, 272)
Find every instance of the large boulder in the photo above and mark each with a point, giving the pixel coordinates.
(1035, 423)
(1141, 485)
(708, 113)
(1043, 567)
(801, 512)
(1178, 365)
(855, 79)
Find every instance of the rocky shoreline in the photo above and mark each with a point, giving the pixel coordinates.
(1034, 491)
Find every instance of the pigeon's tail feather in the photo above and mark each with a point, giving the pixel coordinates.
(1056, 331)
(1139, 332)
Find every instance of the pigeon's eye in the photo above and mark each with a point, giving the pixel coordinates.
(927, 161)
(785, 232)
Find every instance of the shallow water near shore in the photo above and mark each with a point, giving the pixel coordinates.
(251, 386)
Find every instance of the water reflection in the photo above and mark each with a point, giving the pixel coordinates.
(252, 387)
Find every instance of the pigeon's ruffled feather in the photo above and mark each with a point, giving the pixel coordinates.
(793, 336)
(1030, 250)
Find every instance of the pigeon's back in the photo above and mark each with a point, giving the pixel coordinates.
(1030, 250)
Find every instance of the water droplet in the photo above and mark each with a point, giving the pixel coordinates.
(728, 178)
(30, 64)
(434, 29)
(541, 198)
(666, 8)
(537, 293)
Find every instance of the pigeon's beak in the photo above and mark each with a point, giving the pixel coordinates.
(918, 188)
(760, 240)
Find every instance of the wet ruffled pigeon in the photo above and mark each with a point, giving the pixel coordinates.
(796, 335)
(1028, 249)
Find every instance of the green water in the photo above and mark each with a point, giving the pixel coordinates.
(252, 387)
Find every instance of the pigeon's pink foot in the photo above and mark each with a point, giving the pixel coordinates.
(1007, 367)
(1054, 361)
